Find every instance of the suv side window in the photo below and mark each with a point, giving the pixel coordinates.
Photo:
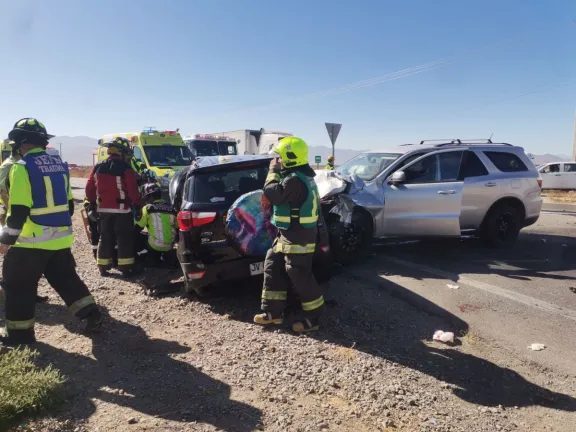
(506, 162)
(450, 166)
(409, 159)
(553, 168)
(569, 167)
(472, 166)
(423, 171)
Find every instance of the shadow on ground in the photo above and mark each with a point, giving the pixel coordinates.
(133, 371)
(361, 314)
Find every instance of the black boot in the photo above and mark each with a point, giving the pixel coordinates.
(94, 322)
(18, 337)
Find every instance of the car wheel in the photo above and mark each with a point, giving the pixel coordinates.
(351, 243)
(501, 227)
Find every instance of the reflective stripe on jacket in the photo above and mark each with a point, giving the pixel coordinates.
(159, 219)
(306, 214)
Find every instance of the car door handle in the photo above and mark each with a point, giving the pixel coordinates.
(490, 184)
(446, 192)
(557, 175)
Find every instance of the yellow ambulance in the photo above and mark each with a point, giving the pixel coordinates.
(163, 152)
(6, 150)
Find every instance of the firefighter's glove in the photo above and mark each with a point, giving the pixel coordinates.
(137, 212)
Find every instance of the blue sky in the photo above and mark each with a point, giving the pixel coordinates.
(89, 68)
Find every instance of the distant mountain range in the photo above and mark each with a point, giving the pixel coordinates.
(79, 149)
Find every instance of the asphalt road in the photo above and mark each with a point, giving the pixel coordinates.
(512, 297)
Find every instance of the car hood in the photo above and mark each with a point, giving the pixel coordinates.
(332, 183)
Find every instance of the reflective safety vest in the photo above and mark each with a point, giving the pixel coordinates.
(37, 182)
(49, 179)
(159, 218)
(307, 214)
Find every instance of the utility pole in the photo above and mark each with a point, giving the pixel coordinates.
(60, 145)
(574, 144)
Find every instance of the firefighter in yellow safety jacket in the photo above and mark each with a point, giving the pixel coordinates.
(38, 235)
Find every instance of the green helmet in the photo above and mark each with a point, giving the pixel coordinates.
(293, 151)
(29, 129)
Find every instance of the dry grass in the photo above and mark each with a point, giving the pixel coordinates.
(26, 388)
(561, 196)
(81, 172)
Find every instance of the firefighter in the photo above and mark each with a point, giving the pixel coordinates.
(291, 189)
(4, 197)
(112, 190)
(38, 236)
(159, 220)
(330, 164)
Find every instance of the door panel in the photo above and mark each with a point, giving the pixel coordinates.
(429, 203)
(551, 176)
(568, 177)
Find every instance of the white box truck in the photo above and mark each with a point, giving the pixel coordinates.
(254, 141)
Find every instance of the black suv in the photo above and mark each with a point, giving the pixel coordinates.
(202, 194)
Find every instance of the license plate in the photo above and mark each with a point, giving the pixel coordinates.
(257, 268)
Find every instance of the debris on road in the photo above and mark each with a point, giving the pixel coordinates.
(573, 289)
(537, 347)
(442, 336)
(452, 286)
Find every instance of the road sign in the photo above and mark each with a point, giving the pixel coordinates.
(333, 131)
(318, 159)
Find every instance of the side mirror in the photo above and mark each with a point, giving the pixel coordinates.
(398, 177)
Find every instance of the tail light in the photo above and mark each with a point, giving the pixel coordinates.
(191, 219)
(539, 183)
(196, 275)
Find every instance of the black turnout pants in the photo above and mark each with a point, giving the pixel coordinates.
(22, 269)
(291, 271)
(116, 229)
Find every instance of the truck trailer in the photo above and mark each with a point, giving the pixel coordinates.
(254, 142)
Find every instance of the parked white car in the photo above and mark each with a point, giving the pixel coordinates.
(558, 175)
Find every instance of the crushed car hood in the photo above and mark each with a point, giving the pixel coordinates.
(332, 183)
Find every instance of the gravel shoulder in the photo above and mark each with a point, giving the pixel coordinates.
(177, 364)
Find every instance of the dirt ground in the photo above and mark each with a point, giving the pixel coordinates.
(178, 364)
(81, 172)
(561, 196)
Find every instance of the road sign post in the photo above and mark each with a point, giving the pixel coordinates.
(333, 131)
(318, 160)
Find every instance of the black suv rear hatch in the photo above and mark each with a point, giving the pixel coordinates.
(206, 199)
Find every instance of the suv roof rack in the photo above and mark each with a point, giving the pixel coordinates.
(456, 141)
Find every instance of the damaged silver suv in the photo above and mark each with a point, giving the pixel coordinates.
(445, 188)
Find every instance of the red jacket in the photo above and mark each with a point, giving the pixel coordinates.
(113, 186)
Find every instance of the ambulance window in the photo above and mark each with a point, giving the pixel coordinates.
(138, 154)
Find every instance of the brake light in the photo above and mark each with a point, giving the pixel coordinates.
(190, 219)
(539, 183)
(196, 275)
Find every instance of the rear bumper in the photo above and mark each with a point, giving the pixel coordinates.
(199, 275)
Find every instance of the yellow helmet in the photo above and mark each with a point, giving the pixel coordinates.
(293, 151)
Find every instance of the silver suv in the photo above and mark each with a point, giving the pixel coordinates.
(444, 188)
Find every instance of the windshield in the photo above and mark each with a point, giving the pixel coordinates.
(227, 148)
(204, 147)
(168, 155)
(367, 165)
(227, 186)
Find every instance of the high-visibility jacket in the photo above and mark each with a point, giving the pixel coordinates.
(41, 203)
(306, 215)
(159, 219)
(329, 166)
(137, 165)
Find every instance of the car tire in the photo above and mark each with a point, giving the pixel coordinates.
(501, 227)
(351, 243)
